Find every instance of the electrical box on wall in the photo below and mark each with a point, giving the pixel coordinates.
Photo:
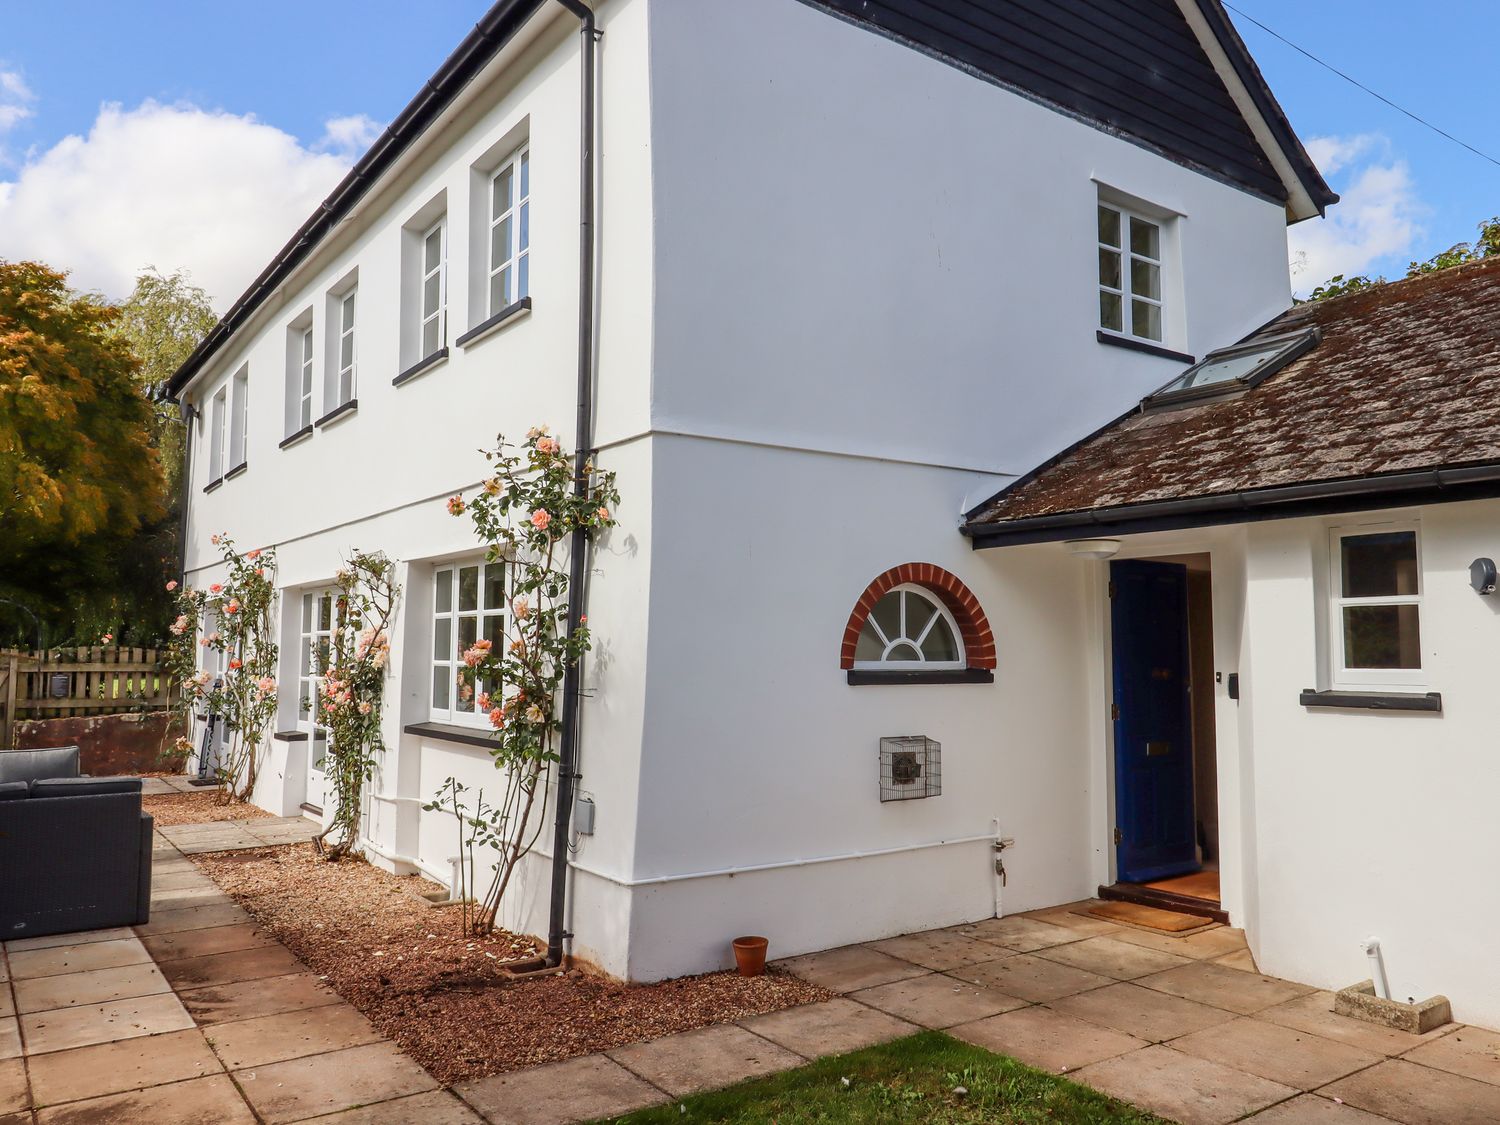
(910, 767)
(583, 816)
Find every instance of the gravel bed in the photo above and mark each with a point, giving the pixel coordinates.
(443, 998)
(196, 808)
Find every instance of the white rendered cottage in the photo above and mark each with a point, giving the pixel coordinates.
(852, 272)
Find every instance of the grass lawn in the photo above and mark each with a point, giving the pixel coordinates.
(914, 1080)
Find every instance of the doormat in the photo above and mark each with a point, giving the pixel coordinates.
(1149, 916)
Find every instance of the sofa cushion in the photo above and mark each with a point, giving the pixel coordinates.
(29, 765)
(14, 790)
(84, 786)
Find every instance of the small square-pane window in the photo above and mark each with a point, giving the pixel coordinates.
(1145, 319)
(1381, 637)
(443, 591)
(1110, 314)
(1109, 268)
(468, 589)
(440, 693)
(432, 251)
(1109, 226)
(442, 639)
(1145, 279)
(1379, 565)
(494, 586)
(1145, 238)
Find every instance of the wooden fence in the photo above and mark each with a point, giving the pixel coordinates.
(79, 681)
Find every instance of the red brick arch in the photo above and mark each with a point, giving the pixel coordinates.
(979, 642)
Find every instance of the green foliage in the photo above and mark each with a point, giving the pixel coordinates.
(80, 479)
(354, 676)
(1338, 285)
(1485, 246)
(526, 514)
(924, 1079)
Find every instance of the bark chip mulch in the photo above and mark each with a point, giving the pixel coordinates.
(196, 808)
(442, 997)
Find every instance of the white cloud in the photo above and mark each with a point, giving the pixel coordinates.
(171, 186)
(349, 136)
(1378, 215)
(16, 100)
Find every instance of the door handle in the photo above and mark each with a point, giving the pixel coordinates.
(1158, 749)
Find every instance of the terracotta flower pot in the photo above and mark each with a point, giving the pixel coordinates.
(750, 955)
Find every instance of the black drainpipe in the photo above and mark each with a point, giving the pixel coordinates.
(567, 764)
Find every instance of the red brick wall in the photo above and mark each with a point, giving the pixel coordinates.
(979, 642)
(108, 744)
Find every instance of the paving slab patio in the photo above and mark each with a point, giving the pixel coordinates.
(1182, 1088)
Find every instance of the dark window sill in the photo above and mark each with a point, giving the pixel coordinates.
(341, 411)
(290, 736)
(1131, 344)
(444, 732)
(316, 810)
(865, 677)
(1373, 700)
(237, 470)
(293, 439)
(510, 312)
(421, 366)
(213, 484)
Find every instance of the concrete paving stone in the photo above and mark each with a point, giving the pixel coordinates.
(705, 1058)
(849, 968)
(1043, 1038)
(201, 943)
(59, 959)
(1203, 945)
(1142, 1012)
(98, 986)
(306, 1087)
(1182, 1088)
(1111, 958)
(1282, 1054)
(1313, 1109)
(192, 918)
(938, 950)
(18, 1119)
(290, 1035)
(7, 1002)
(440, 1107)
(181, 897)
(560, 1093)
(237, 844)
(263, 997)
(13, 1095)
(64, 1028)
(1419, 1095)
(1032, 978)
(1223, 987)
(10, 1037)
(833, 1027)
(937, 1000)
(195, 1102)
(113, 1068)
(179, 880)
(1314, 1013)
(49, 941)
(1471, 1051)
(4, 967)
(1240, 959)
(1020, 934)
(1075, 916)
(231, 968)
(155, 787)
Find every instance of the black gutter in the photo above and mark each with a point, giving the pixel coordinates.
(490, 34)
(1359, 494)
(572, 725)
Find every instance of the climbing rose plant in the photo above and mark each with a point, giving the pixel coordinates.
(525, 514)
(245, 697)
(354, 675)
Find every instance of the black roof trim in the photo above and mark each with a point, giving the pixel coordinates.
(1317, 498)
(1248, 71)
(494, 29)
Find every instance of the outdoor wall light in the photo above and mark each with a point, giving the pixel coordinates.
(1482, 576)
(1093, 548)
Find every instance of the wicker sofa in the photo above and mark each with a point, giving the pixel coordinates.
(75, 852)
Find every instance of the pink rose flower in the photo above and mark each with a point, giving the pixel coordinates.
(455, 505)
(216, 588)
(540, 519)
(233, 606)
(172, 585)
(234, 665)
(497, 717)
(253, 555)
(477, 652)
(107, 637)
(603, 514)
(547, 445)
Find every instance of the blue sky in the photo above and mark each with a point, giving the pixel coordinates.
(212, 97)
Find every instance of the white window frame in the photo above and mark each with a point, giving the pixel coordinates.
(440, 314)
(1126, 256)
(310, 676)
(890, 642)
(1343, 677)
(348, 309)
(218, 434)
(488, 621)
(305, 379)
(239, 423)
(517, 251)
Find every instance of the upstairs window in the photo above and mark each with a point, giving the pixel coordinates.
(218, 419)
(1130, 273)
(434, 310)
(305, 378)
(240, 419)
(345, 325)
(1377, 607)
(909, 629)
(510, 232)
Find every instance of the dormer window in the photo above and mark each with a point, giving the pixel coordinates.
(1130, 269)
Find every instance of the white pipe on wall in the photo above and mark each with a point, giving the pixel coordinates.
(1377, 968)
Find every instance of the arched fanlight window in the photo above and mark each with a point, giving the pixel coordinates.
(908, 628)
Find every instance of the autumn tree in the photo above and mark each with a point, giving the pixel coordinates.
(80, 476)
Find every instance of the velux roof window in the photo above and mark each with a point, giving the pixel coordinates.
(1231, 370)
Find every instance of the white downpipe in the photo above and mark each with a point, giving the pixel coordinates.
(1371, 947)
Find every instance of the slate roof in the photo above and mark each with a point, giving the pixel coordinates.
(1402, 394)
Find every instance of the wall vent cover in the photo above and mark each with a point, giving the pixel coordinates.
(911, 767)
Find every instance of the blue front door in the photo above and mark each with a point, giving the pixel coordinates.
(1154, 833)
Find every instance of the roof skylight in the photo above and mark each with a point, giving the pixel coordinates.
(1230, 370)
